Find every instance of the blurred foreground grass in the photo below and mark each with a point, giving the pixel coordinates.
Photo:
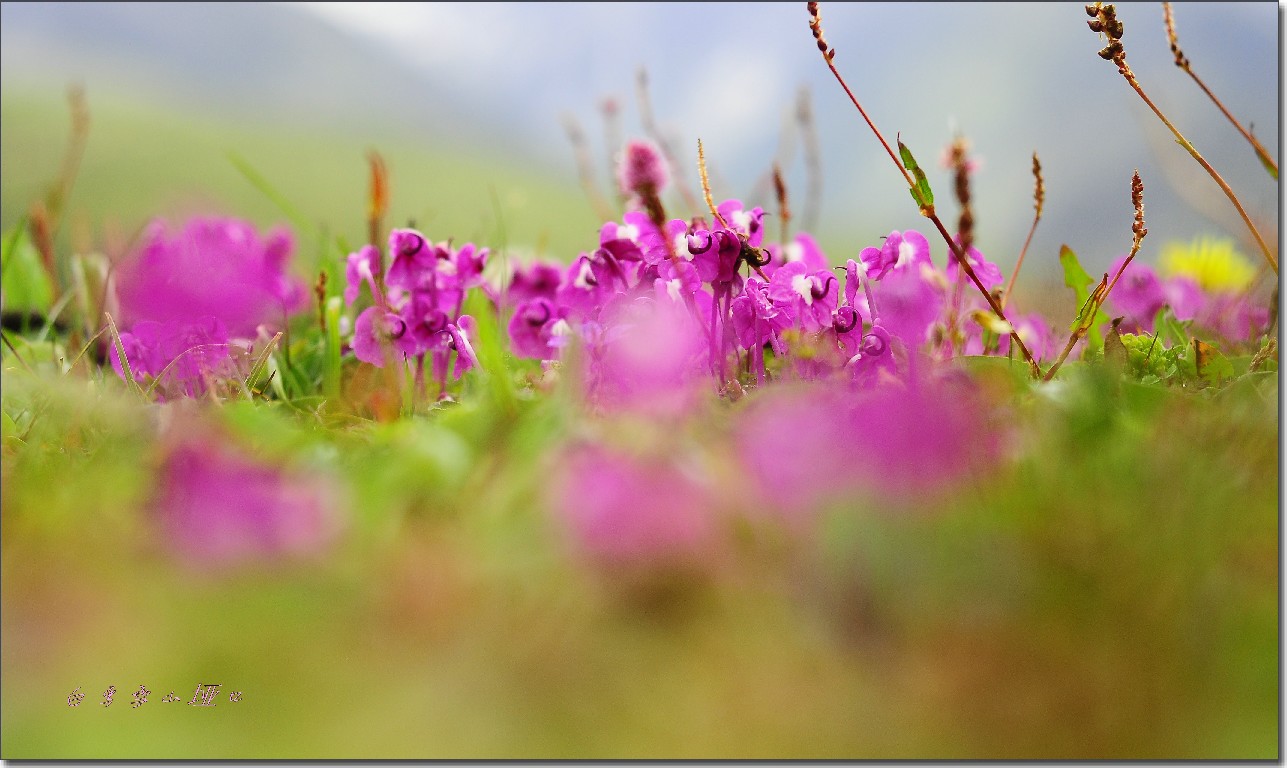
(1111, 593)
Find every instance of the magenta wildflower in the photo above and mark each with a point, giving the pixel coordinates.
(908, 291)
(759, 319)
(359, 269)
(1185, 297)
(412, 257)
(590, 282)
(1234, 316)
(811, 294)
(189, 354)
(989, 274)
(539, 280)
(743, 221)
(802, 249)
(651, 358)
(900, 250)
(184, 299)
(1138, 295)
(874, 356)
(217, 268)
(626, 511)
(922, 438)
(796, 451)
(218, 507)
(374, 328)
(424, 325)
(533, 326)
(909, 301)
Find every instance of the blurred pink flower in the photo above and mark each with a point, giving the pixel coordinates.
(212, 267)
(652, 358)
(218, 507)
(626, 511)
(810, 447)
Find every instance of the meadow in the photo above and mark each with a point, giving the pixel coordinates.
(681, 482)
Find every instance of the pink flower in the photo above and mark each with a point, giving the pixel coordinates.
(218, 507)
(217, 268)
(652, 360)
(622, 510)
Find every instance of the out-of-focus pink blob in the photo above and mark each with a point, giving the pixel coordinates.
(218, 507)
(628, 511)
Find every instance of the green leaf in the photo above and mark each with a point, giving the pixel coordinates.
(921, 192)
(1114, 350)
(331, 370)
(1212, 366)
(1080, 281)
(23, 279)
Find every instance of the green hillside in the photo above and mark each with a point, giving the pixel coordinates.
(142, 161)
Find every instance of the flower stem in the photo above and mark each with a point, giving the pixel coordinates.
(1183, 142)
(828, 55)
(1183, 63)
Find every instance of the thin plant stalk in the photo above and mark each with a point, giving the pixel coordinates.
(1039, 201)
(1105, 22)
(1183, 63)
(828, 55)
(1087, 315)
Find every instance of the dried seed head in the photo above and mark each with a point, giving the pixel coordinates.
(1039, 185)
(1137, 199)
(961, 167)
(1181, 60)
(815, 24)
(1104, 21)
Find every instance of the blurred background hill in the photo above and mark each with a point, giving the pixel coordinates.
(466, 101)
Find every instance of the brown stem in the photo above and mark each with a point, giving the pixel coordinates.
(1122, 67)
(1183, 63)
(1261, 153)
(964, 264)
(1096, 304)
(829, 57)
(1005, 297)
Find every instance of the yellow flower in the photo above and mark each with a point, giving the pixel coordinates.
(1215, 264)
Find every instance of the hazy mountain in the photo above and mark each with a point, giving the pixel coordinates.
(1013, 77)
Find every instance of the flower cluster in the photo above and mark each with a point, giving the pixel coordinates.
(1210, 292)
(187, 300)
(418, 302)
(717, 301)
